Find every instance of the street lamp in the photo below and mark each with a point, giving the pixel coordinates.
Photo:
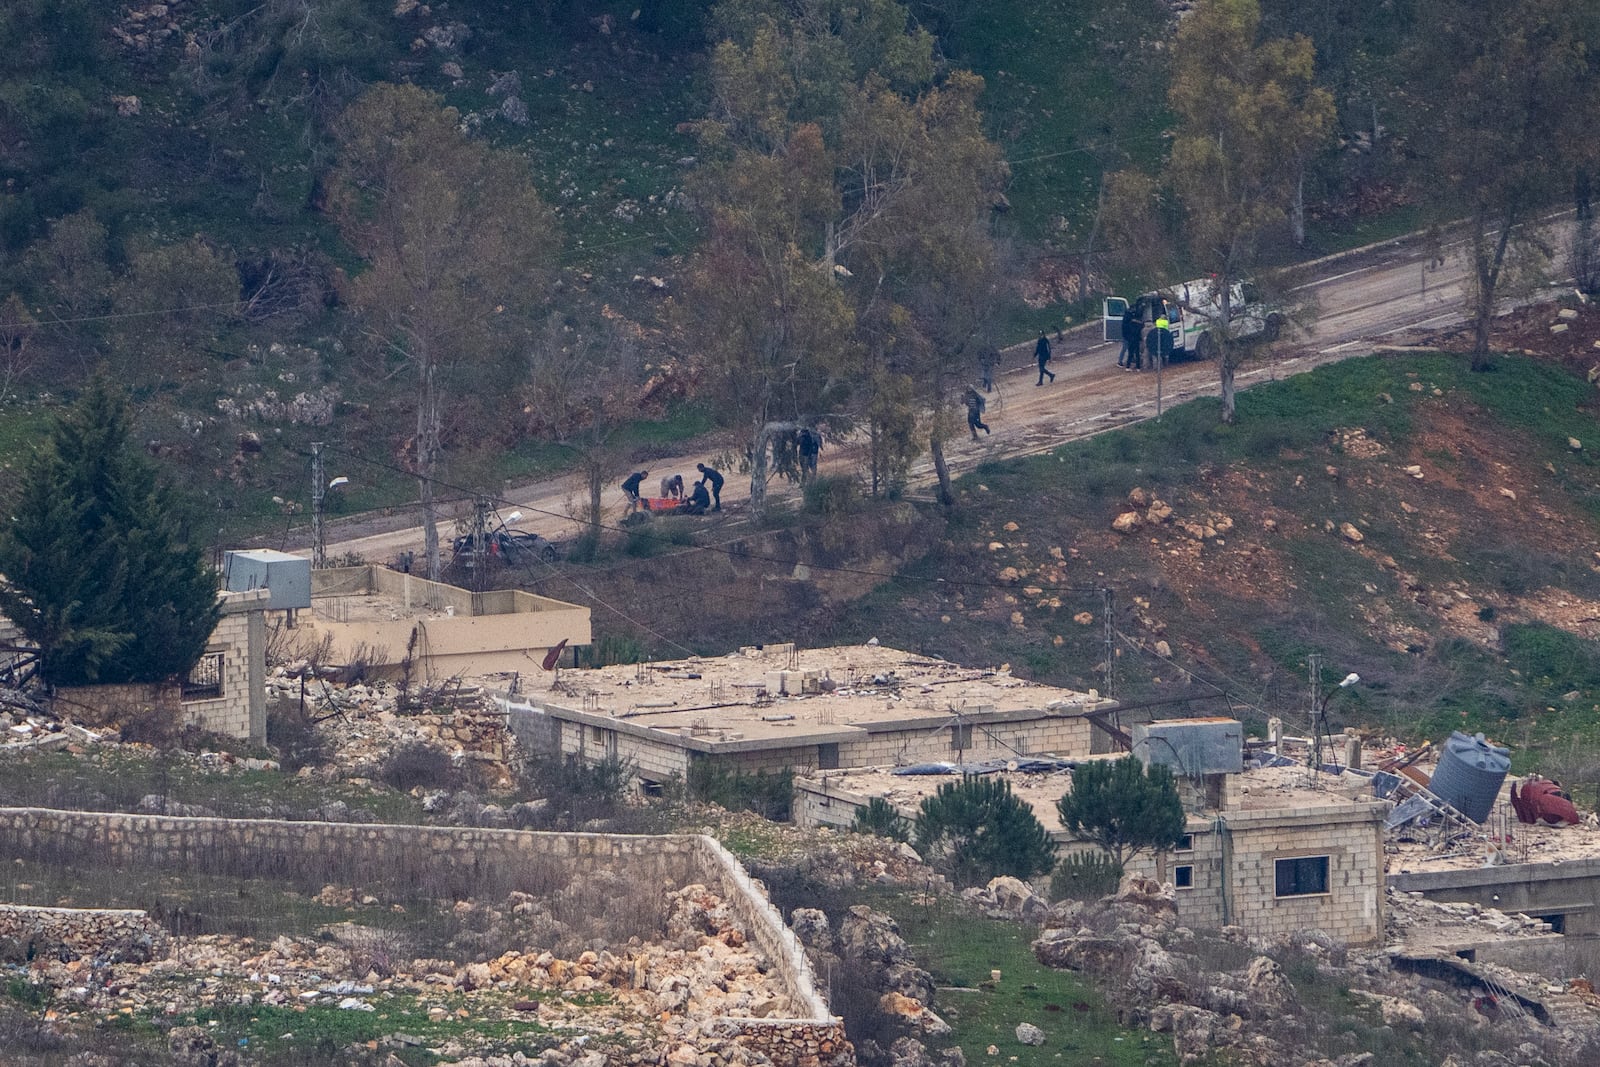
(1319, 728)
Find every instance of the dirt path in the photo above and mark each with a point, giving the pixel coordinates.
(1387, 294)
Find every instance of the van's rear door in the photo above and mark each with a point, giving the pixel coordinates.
(1111, 317)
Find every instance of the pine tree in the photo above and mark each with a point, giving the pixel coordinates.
(99, 569)
(1123, 808)
(977, 829)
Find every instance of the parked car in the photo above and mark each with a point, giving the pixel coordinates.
(509, 546)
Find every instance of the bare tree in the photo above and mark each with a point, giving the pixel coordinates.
(454, 237)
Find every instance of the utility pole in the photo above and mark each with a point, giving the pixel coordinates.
(1314, 663)
(319, 485)
(480, 542)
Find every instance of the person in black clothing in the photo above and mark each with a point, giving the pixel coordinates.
(698, 501)
(1131, 328)
(630, 487)
(810, 444)
(1041, 352)
(713, 479)
(975, 405)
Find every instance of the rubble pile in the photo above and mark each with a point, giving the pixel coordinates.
(639, 1002)
(1162, 976)
(1411, 916)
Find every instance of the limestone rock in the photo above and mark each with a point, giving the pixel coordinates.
(1127, 522)
(1138, 497)
(1158, 512)
(1029, 1034)
(1351, 534)
(1574, 444)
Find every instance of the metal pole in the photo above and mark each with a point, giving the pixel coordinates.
(1314, 663)
(1109, 602)
(319, 485)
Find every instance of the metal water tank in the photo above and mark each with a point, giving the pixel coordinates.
(1470, 774)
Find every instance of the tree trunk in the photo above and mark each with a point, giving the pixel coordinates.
(1487, 261)
(758, 471)
(1297, 210)
(427, 451)
(1225, 370)
(947, 496)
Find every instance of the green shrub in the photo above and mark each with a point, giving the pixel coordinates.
(977, 829)
(768, 795)
(419, 764)
(610, 650)
(1085, 876)
(831, 497)
(291, 733)
(878, 816)
(578, 789)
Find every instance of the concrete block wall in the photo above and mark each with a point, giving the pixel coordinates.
(433, 855)
(1243, 890)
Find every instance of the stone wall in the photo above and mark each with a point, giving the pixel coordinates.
(450, 860)
(112, 935)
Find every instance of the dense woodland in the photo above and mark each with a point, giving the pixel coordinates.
(460, 241)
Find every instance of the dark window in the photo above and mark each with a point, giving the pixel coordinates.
(1185, 843)
(828, 757)
(960, 737)
(1305, 876)
(1183, 877)
(205, 680)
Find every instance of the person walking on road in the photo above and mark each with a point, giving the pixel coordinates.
(1041, 352)
(988, 360)
(975, 405)
(630, 488)
(713, 479)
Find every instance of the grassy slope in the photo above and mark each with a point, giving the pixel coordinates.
(1445, 610)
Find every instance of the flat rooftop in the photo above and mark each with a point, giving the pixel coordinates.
(826, 694)
(1259, 790)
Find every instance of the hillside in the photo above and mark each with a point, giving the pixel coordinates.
(1426, 527)
(164, 214)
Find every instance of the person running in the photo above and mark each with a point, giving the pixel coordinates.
(630, 488)
(1041, 353)
(713, 479)
(975, 405)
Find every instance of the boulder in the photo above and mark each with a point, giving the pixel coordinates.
(1029, 1034)
(1351, 534)
(1127, 522)
(1088, 953)
(810, 925)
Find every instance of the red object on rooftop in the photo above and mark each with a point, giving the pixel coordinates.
(1541, 800)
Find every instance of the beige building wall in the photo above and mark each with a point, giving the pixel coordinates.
(377, 614)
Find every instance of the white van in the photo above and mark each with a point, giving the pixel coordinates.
(1192, 309)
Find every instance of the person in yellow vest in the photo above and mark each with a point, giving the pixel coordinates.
(1162, 346)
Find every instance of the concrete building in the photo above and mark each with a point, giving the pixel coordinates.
(776, 707)
(1264, 851)
(225, 693)
(396, 623)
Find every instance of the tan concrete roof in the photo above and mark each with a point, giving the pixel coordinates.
(736, 697)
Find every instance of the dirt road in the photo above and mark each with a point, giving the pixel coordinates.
(1385, 294)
